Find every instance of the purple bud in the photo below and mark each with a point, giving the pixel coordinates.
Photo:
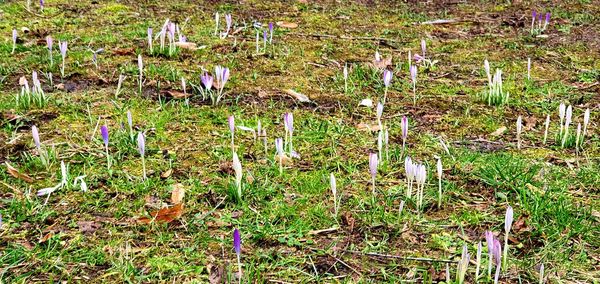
(14, 35)
(497, 251)
(207, 81)
(288, 120)
(387, 77)
(36, 136)
(417, 58)
(63, 48)
(373, 163)
(141, 142)
(129, 119)
(271, 27)
(104, 132)
(231, 121)
(489, 240)
(423, 47)
(508, 219)
(42, 4)
(413, 73)
(547, 18)
(149, 36)
(228, 21)
(265, 36)
(534, 14)
(237, 242)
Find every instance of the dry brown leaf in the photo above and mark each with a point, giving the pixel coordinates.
(287, 25)
(178, 94)
(187, 45)
(178, 193)
(215, 273)
(300, 97)
(167, 173)
(367, 127)
(166, 215)
(16, 174)
(46, 237)
(124, 51)
(285, 160)
(383, 63)
(530, 122)
(499, 131)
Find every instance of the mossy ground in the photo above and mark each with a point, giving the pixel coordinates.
(94, 236)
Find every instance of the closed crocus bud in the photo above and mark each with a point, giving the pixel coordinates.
(237, 167)
(237, 242)
(207, 81)
(423, 47)
(104, 132)
(561, 111)
(345, 72)
(439, 168)
(568, 116)
(404, 126)
(486, 67)
(141, 143)
(228, 21)
(63, 48)
(496, 252)
(129, 119)
(14, 36)
(333, 184)
(373, 163)
(288, 120)
(279, 146)
(387, 78)
(379, 110)
(519, 125)
(36, 136)
(140, 64)
(586, 120)
(231, 122)
(49, 42)
(377, 56)
(413, 74)
(508, 219)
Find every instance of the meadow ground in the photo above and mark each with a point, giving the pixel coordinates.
(290, 231)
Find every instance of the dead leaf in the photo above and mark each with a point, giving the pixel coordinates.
(124, 51)
(178, 193)
(499, 131)
(249, 178)
(215, 272)
(59, 86)
(383, 63)
(348, 221)
(167, 173)
(187, 45)
(300, 97)
(46, 237)
(287, 25)
(530, 122)
(166, 215)
(367, 127)
(178, 95)
(88, 226)
(285, 160)
(16, 174)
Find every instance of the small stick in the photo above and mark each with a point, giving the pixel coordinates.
(408, 258)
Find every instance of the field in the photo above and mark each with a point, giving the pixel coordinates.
(131, 160)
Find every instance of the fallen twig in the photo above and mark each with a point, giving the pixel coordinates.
(407, 258)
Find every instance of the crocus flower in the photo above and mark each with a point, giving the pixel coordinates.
(489, 240)
(63, 53)
(345, 78)
(379, 113)
(150, 39)
(279, 149)
(421, 178)
(288, 122)
(14, 39)
(377, 56)
(373, 163)
(49, 43)
(42, 5)
(237, 167)
(333, 185)
(547, 20)
(568, 115)
(130, 123)
(561, 114)
(519, 129)
(216, 23)
(404, 126)
(207, 81)
(423, 47)
(577, 137)
(417, 58)
(271, 32)
(508, 219)
(63, 182)
(463, 264)
(141, 143)
(486, 67)
(409, 173)
(533, 16)
(104, 132)
(586, 120)
(541, 272)
(228, 21)
(237, 246)
(413, 78)
(221, 76)
(265, 40)
(478, 261)
(387, 77)
(497, 250)
(36, 137)
(140, 71)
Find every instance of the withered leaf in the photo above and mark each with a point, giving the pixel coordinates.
(16, 174)
(46, 237)
(178, 95)
(299, 96)
(166, 215)
(187, 45)
(287, 25)
(88, 226)
(124, 51)
(167, 173)
(499, 131)
(178, 193)
(367, 127)
(383, 63)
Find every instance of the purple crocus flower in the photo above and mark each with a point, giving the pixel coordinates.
(228, 21)
(373, 163)
(496, 252)
(237, 242)
(207, 80)
(423, 47)
(141, 143)
(387, 77)
(231, 122)
(404, 126)
(279, 146)
(547, 20)
(271, 32)
(265, 37)
(288, 120)
(150, 39)
(36, 137)
(104, 132)
(533, 17)
(63, 48)
(49, 43)
(418, 58)
(413, 74)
